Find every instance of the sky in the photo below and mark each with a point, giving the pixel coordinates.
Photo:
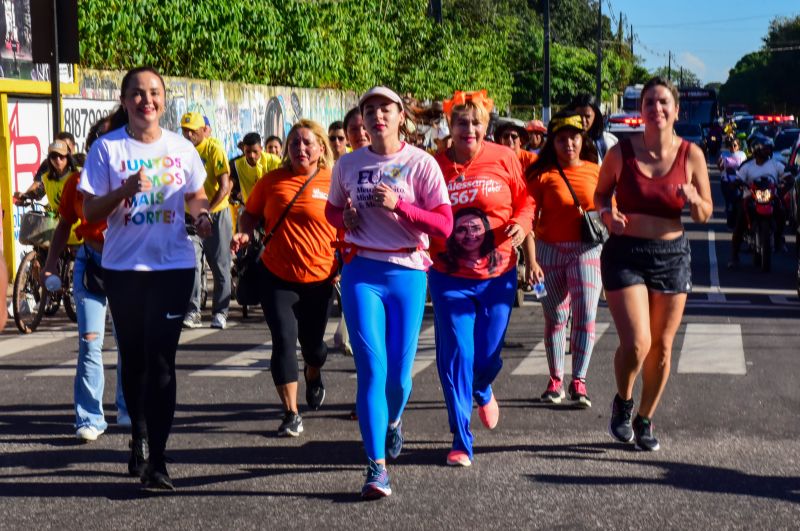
(706, 36)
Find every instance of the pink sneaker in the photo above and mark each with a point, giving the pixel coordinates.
(489, 413)
(555, 391)
(458, 458)
(577, 393)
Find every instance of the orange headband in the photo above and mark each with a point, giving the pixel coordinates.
(478, 97)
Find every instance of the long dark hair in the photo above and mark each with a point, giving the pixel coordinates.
(120, 116)
(584, 99)
(547, 155)
(451, 255)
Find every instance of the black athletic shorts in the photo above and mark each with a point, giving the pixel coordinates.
(661, 265)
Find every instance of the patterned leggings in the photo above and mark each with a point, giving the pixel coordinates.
(572, 279)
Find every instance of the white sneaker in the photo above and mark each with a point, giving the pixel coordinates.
(192, 320)
(220, 321)
(88, 433)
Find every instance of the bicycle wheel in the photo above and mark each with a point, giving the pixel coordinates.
(29, 297)
(65, 271)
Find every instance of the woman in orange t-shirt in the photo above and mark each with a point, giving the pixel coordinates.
(569, 267)
(299, 264)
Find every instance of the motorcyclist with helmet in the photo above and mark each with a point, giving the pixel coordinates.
(761, 164)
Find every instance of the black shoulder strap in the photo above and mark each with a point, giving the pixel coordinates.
(269, 235)
(574, 197)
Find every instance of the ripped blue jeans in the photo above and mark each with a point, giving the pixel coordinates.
(89, 376)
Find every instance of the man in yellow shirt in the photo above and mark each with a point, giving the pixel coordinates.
(217, 247)
(252, 165)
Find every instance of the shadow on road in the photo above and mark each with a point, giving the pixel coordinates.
(685, 476)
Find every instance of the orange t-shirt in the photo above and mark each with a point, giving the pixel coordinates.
(557, 218)
(71, 210)
(300, 250)
(526, 158)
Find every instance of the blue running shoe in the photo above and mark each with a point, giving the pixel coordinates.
(394, 440)
(377, 484)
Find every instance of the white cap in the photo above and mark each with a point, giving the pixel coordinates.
(380, 91)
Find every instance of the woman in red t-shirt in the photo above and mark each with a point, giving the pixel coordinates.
(569, 267)
(474, 275)
(298, 264)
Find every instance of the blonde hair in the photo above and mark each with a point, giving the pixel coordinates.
(480, 112)
(325, 159)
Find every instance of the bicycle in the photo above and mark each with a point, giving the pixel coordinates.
(30, 299)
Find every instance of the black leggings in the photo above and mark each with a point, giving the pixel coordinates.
(148, 309)
(293, 312)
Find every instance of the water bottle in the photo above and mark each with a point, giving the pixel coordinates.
(539, 290)
(52, 283)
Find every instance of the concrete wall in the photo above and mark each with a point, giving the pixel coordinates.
(233, 109)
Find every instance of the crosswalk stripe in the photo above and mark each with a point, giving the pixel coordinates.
(712, 349)
(193, 334)
(68, 367)
(252, 361)
(16, 344)
(535, 363)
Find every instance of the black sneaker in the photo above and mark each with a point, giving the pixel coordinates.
(291, 426)
(643, 431)
(620, 424)
(155, 477)
(138, 460)
(315, 391)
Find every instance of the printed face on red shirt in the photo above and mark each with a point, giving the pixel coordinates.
(469, 234)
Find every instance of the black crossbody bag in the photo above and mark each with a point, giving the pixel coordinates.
(593, 230)
(248, 288)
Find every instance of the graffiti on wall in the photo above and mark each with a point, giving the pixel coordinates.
(233, 109)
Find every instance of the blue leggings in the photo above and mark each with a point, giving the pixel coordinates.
(471, 317)
(383, 304)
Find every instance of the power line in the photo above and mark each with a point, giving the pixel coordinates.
(706, 22)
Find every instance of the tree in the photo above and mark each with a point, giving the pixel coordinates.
(685, 78)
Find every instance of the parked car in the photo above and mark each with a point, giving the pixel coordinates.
(784, 143)
(625, 124)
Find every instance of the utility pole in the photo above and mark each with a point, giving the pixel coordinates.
(669, 65)
(598, 91)
(546, 82)
(631, 39)
(435, 10)
(680, 82)
(55, 79)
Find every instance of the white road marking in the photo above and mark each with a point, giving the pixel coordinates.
(715, 295)
(535, 363)
(712, 349)
(697, 288)
(15, 344)
(250, 362)
(67, 368)
(783, 301)
(193, 334)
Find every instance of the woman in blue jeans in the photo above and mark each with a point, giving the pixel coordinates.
(91, 309)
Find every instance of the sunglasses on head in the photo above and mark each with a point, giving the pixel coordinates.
(334, 138)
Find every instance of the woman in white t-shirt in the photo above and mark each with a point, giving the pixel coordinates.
(139, 176)
(388, 197)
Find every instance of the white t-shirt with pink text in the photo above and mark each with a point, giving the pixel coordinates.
(413, 175)
(146, 232)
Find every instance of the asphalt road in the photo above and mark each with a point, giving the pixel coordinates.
(728, 425)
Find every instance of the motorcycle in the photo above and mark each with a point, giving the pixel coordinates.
(761, 226)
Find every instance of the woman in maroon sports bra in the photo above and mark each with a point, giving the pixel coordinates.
(645, 264)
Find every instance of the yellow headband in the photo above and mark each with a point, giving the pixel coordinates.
(568, 121)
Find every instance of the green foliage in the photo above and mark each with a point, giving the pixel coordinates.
(354, 44)
(767, 80)
(685, 78)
